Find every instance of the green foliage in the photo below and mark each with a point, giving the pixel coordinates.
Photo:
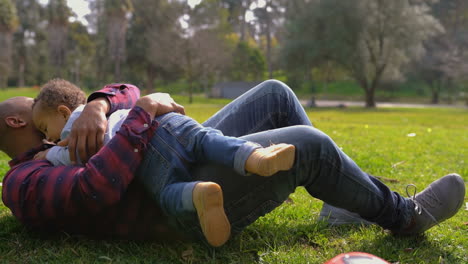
(59, 12)
(248, 63)
(8, 16)
(118, 7)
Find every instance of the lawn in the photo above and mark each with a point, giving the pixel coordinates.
(400, 145)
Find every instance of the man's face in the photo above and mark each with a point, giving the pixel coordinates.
(50, 122)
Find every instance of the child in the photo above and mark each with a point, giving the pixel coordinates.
(178, 143)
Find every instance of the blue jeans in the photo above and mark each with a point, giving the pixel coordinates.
(180, 142)
(271, 113)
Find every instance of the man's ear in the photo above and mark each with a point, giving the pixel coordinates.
(64, 111)
(15, 121)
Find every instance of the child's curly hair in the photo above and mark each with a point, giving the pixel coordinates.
(60, 92)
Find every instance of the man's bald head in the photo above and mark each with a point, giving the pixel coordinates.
(19, 105)
(16, 125)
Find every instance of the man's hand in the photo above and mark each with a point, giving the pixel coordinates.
(87, 133)
(157, 104)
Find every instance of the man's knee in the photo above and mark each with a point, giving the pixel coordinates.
(276, 87)
(312, 138)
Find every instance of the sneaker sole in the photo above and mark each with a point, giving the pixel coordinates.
(281, 159)
(210, 209)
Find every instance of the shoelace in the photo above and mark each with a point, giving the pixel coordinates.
(418, 206)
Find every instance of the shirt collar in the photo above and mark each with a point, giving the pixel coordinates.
(28, 155)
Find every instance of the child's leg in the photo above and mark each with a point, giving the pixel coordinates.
(206, 198)
(270, 160)
(201, 144)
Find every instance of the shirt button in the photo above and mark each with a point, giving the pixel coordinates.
(135, 150)
(145, 125)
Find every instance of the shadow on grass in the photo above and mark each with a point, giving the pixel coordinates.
(18, 244)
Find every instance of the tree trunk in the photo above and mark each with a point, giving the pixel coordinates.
(5, 57)
(370, 97)
(435, 90)
(21, 68)
(57, 42)
(435, 97)
(116, 32)
(3, 82)
(190, 90)
(268, 39)
(150, 77)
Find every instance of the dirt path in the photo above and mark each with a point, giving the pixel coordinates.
(337, 103)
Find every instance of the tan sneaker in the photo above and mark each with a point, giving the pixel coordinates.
(268, 161)
(208, 201)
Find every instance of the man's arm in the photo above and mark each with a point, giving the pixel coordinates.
(37, 192)
(87, 133)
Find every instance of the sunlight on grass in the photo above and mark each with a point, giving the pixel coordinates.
(379, 142)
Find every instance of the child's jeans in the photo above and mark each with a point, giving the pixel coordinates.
(180, 142)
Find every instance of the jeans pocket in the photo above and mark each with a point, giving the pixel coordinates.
(181, 128)
(154, 172)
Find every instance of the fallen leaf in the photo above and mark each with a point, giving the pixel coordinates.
(398, 164)
(105, 258)
(187, 254)
(387, 179)
(74, 252)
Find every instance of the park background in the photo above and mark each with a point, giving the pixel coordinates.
(368, 51)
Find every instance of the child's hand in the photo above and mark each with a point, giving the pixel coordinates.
(41, 155)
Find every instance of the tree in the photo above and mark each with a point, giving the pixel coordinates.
(116, 15)
(81, 52)
(237, 10)
(57, 28)
(207, 45)
(8, 24)
(154, 36)
(446, 61)
(371, 39)
(268, 18)
(248, 63)
(26, 46)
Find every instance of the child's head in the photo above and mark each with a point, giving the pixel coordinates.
(53, 106)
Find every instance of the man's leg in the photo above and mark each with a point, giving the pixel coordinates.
(269, 105)
(327, 173)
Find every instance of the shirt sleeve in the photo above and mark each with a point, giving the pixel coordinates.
(58, 156)
(37, 192)
(120, 96)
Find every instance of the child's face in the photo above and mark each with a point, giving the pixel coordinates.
(50, 121)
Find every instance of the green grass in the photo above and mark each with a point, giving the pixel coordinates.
(11, 92)
(376, 139)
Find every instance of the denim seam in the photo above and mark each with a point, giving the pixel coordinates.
(269, 114)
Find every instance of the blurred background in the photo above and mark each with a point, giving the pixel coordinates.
(367, 50)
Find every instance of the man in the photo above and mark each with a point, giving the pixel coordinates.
(102, 199)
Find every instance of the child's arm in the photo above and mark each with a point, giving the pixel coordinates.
(56, 155)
